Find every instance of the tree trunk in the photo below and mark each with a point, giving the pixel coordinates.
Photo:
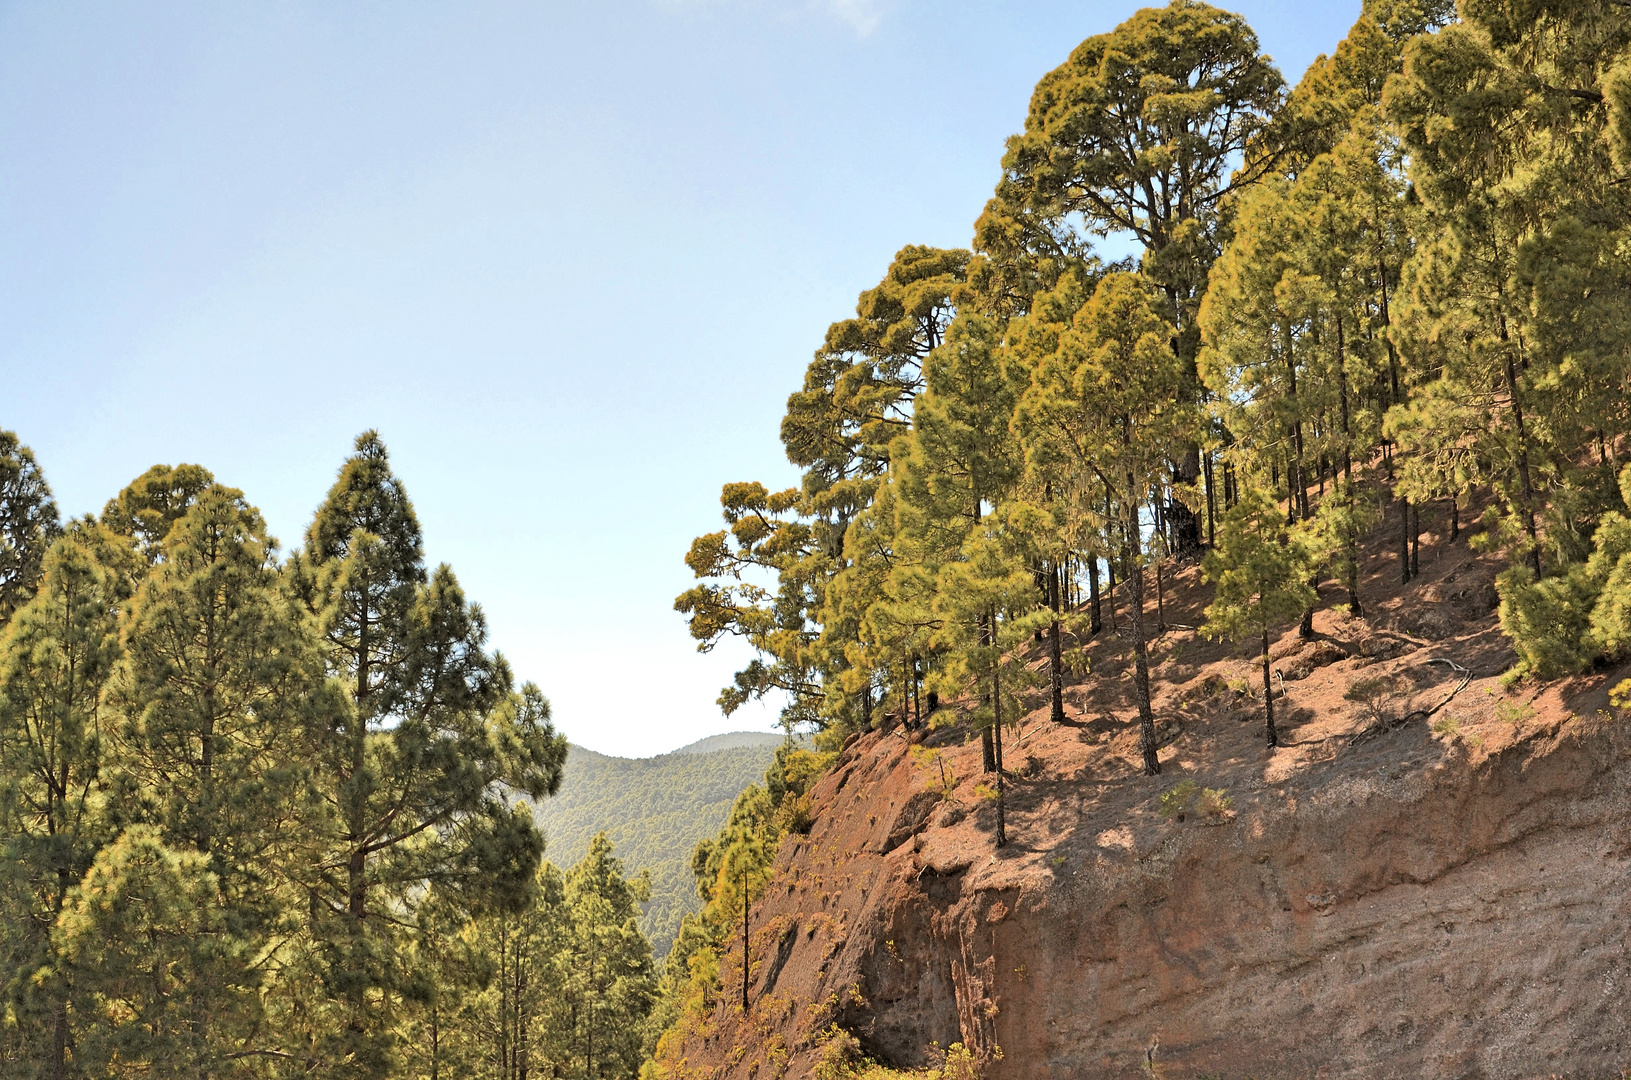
(1523, 462)
(1141, 660)
(1298, 480)
(1110, 572)
(1211, 503)
(1415, 540)
(1404, 540)
(988, 750)
(917, 699)
(1160, 601)
(1352, 540)
(1268, 695)
(1094, 622)
(1186, 527)
(1392, 355)
(435, 1044)
(1055, 657)
(996, 735)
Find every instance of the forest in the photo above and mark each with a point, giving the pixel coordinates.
(1402, 282)
(264, 815)
(654, 811)
(268, 816)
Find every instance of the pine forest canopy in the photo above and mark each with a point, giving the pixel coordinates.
(1403, 279)
(271, 816)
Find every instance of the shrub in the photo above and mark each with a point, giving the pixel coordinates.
(1514, 712)
(1176, 800)
(1375, 694)
(1213, 805)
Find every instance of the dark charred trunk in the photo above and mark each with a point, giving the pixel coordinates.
(1141, 660)
(1404, 540)
(1211, 502)
(1094, 622)
(996, 738)
(1185, 525)
(1268, 696)
(1415, 540)
(1055, 651)
(1523, 462)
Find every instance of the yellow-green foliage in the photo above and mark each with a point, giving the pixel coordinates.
(1564, 623)
(839, 1057)
(1175, 800)
(738, 859)
(1187, 797)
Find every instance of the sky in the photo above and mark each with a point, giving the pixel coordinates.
(568, 258)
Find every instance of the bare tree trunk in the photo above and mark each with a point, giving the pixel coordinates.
(1141, 660)
(1404, 540)
(1211, 503)
(1186, 529)
(1268, 695)
(1415, 540)
(1055, 652)
(988, 750)
(1352, 540)
(1523, 462)
(1160, 601)
(917, 700)
(1110, 571)
(1094, 622)
(996, 731)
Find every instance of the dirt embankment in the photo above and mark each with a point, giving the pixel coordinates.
(1391, 894)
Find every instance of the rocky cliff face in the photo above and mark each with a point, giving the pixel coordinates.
(1393, 894)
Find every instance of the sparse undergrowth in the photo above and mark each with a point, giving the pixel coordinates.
(840, 1058)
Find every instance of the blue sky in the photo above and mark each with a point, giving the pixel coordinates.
(569, 258)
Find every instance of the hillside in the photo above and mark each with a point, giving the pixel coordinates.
(1426, 882)
(732, 740)
(654, 810)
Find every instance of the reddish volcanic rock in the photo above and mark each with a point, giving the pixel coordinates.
(1437, 895)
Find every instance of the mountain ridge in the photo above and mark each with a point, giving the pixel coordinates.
(654, 810)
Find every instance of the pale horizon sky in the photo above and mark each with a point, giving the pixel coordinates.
(568, 258)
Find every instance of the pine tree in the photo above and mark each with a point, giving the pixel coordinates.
(983, 600)
(220, 700)
(1506, 119)
(415, 773)
(767, 543)
(154, 501)
(56, 658)
(605, 970)
(163, 981)
(961, 462)
(1141, 131)
(1260, 567)
(28, 524)
(1112, 399)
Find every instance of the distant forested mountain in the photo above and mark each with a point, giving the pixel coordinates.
(654, 810)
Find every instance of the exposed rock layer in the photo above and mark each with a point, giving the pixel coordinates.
(1417, 903)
